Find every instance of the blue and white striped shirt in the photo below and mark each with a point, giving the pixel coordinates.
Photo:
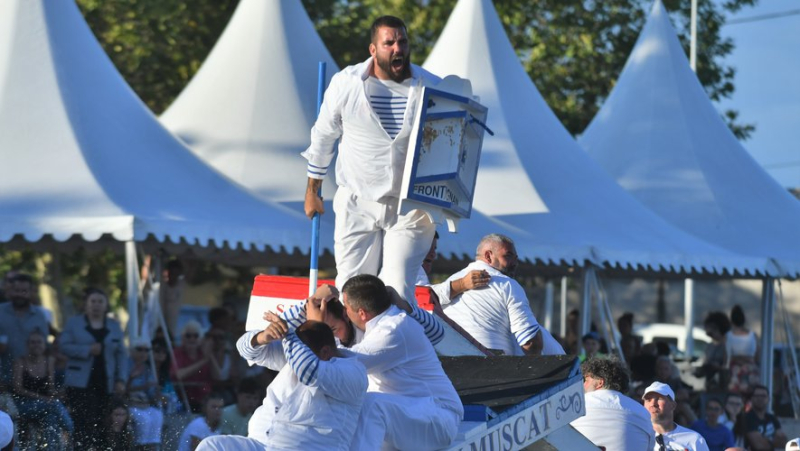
(388, 100)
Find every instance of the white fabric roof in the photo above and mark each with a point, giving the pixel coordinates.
(249, 110)
(661, 138)
(534, 176)
(82, 155)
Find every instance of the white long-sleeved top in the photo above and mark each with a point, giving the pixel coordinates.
(499, 316)
(400, 360)
(312, 403)
(431, 325)
(616, 422)
(370, 163)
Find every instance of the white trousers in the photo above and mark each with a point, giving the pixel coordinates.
(404, 423)
(147, 423)
(230, 442)
(371, 238)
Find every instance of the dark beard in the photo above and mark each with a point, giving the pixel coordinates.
(386, 66)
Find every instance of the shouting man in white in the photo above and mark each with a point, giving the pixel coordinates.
(370, 108)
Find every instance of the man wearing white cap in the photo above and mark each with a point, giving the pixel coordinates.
(659, 400)
(613, 420)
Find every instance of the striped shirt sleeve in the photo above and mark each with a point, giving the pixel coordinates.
(317, 172)
(524, 336)
(294, 316)
(302, 359)
(430, 324)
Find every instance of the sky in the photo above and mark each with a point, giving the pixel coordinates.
(767, 62)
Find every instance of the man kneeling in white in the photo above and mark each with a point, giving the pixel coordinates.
(613, 420)
(411, 404)
(315, 400)
(659, 399)
(490, 305)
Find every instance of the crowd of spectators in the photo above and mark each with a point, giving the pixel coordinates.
(729, 412)
(84, 388)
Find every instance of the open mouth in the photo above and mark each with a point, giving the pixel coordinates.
(397, 62)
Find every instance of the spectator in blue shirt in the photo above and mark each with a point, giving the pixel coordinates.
(717, 435)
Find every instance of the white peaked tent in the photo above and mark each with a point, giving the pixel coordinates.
(249, 110)
(534, 176)
(661, 138)
(83, 156)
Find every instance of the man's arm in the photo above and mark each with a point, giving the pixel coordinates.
(261, 348)
(521, 319)
(455, 286)
(313, 202)
(533, 346)
(758, 442)
(472, 280)
(430, 323)
(327, 129)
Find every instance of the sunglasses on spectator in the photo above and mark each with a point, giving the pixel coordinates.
(191, 335)
(142, 349)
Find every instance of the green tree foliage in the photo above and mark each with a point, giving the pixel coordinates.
(573, 49)
(157, 45)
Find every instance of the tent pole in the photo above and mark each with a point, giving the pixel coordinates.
(767, 332)
(132, 287)
(548, 305)
(564, 306)
(586, 307)
(693, 42)
(688, 316)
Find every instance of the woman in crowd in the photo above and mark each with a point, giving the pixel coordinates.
(118, 433)
(97, 365)
(34, 385)
(193, 369)
(741, 346)
(144, 397)
(714, 369)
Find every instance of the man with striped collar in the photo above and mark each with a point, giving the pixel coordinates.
(370, 108)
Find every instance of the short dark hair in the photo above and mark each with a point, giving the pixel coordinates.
(612, 371)
(755, 387)
(336, 309)
(626, 317)
(367, 292)
(385, 21)
(719, 320)
(737, 316)
(248, 385)
(316, 335)
(214, 395)
(88, 291)
(22, 277)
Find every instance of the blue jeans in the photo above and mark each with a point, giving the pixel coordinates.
(51, 416)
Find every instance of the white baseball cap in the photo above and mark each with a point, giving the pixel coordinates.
(6, 429)
(793, 444)
(660, 388)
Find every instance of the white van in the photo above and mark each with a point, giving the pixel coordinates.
(675, 336)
